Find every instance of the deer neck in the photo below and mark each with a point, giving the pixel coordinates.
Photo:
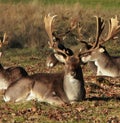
(73, 84)
(102, 60)
(106, 66)
(1, 68)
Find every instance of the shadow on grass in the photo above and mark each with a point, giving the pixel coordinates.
(103, 98)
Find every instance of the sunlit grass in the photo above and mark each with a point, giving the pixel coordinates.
(86, 3)
(34, 111)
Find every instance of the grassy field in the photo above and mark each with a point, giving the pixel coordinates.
(24, 22)
(28, 48)
(102, 104)
(104, 3)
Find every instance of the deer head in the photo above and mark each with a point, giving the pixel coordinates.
(55, 57)
(60, 51)
(97, 49)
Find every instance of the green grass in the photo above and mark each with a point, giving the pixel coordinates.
(83, 112)
(87, 3)
(101, 105)
(28, 58)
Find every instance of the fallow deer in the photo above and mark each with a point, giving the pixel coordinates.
(54, 88)
(54, 57)
(11, 74)
(106, 64)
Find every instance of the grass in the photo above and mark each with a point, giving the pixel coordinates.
(25, 27)
(84, 112)
(28, 58)
(101, 105)
(92, 3)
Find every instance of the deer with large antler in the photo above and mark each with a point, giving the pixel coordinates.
(106, 65)
(11, 74)
(54, 88)
(54, 57)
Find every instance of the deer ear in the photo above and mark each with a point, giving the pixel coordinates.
(60, 58)
(101, 50)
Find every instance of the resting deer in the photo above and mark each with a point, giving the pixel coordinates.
(54, 57)
(54, 88)
(106, 64)
(11, 74)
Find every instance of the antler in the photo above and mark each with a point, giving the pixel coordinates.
(73, 25)
(100, 27)
(3, 40)
(114, 28)
(79, 32)
(48, 27)
(99, 30)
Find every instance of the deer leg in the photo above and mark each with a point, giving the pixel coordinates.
(99, 73)
(53, 98)
(18, 91)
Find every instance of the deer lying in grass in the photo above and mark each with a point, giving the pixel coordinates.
(54, 88)
(106, 64)
(54, 57)
(11, 74)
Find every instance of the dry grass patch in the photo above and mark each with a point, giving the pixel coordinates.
(24, 22)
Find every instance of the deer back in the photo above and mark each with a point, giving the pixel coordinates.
(19, 90)
(11, 74)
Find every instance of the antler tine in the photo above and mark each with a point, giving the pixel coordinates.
(4, 37)
(114, 28)
(100, 27)
(85, 52)
(3, 40)
(80, 36)
(48, 27)
(73, 25)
